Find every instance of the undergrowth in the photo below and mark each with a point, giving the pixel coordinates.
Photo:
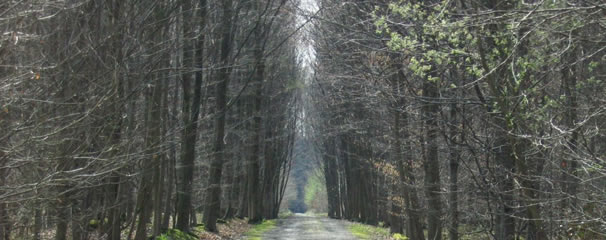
(258, 230)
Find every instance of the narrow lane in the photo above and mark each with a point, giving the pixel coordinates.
(302, 226)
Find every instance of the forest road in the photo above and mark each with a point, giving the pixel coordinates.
(301, 226)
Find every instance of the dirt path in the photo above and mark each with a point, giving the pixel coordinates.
(302, 226)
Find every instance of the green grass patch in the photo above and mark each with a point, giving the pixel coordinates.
(285, 214)
(257, 231)
(398, 236)
(318, 214)
(363, 231)
(175, 234)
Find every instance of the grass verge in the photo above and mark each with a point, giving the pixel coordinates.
(398, 236)
(258, 230)
(366, 232)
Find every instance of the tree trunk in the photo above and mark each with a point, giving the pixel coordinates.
(145, 198)
(61, 231)
(395, 213)
(114, 212)
(158, 178)
(65, 163)
(414, 228)
(255, 190)
(37, 223)
(395, 218)
(246, 108)
(569, 83)
(505, 216)
(213, 204)
(453, 163)
(4, 217)
(168, 210)
(431, 165)
(453, 196)
(269, 173)
(78, 232)
(191, 112)
(330, 176)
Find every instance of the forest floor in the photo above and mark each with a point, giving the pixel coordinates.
(231, 230)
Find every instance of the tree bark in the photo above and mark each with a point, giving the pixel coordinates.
(414, 229)
(255, 188)
(145, 198)
(331, 176)
(61, 230)
(37, 223)
(569, 83)
(191, 112)
(213, 204)
(431, 165)
(453, 187)
(5, 222)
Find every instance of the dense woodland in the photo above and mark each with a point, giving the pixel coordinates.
(481, 119)
(441, 119)
(126, 118)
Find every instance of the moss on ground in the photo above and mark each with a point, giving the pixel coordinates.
(363, 231)
(175, 234)
(257, 231)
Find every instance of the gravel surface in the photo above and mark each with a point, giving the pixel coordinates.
(302, 226)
